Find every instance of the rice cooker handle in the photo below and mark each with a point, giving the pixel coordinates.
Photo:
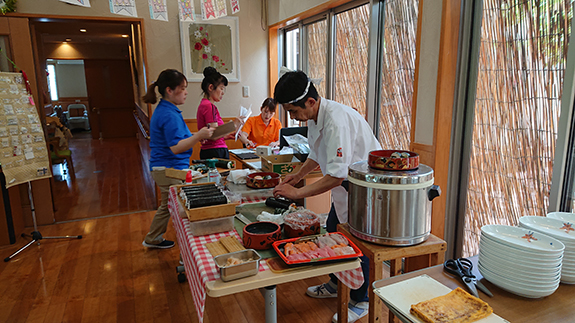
(433, 192)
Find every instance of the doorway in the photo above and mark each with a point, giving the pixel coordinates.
(105, 57)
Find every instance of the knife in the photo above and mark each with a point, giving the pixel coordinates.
(243, 219)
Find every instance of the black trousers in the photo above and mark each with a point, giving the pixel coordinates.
(222, 153)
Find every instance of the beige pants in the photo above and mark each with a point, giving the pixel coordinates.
(162, 217)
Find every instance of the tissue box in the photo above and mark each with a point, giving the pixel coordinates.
(281, 164)
(263, 150)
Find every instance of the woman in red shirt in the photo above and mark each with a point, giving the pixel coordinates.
(213, 87)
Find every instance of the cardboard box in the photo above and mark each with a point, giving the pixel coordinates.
(176, 173)
(206, 212)
(281, 164)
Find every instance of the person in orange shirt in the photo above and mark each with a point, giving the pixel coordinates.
(263, 129)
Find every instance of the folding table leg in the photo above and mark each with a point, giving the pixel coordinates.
(270, 297)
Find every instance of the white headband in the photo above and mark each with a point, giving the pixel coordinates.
(301, 96)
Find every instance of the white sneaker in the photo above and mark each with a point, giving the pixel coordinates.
(352, 316)
(320, 291)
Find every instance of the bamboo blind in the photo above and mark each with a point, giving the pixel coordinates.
(398, 72)
(317, 53)
(352, 31)
(521, 67)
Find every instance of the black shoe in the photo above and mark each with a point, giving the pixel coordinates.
(162, 245)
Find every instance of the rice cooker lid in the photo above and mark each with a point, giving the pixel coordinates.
(361, 172)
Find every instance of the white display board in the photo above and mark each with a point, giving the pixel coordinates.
(23, 150)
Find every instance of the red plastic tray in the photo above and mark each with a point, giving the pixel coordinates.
(279, 248)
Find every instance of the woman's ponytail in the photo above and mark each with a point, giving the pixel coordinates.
(150, 96)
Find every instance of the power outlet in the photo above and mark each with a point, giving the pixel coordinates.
(246, 91)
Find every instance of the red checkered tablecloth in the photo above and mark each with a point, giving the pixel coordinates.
(199, 264)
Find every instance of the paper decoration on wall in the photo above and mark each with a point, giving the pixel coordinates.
(158, 9)
(221, 10)
(235, 4)
(213, 9)
(186, 10)
(23, 152)
(123, 7)
(82, 3)
(208, 10)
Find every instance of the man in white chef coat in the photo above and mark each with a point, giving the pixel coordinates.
(338, 136)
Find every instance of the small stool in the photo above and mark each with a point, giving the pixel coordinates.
(433, 247)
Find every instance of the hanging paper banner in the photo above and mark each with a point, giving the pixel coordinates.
(123, 7)
(82, 3)
(235, 4)
(186, 9)
(208, 10)
(158, 9)
(220, 8)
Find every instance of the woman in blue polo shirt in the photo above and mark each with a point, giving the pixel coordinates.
(171, 144)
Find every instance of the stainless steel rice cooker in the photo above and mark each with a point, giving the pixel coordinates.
(390, 207)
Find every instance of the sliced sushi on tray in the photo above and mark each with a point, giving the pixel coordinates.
(319, 249)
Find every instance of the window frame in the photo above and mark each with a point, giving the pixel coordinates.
(330, 16)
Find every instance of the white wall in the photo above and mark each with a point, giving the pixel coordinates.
(71, 80)
(163, 47)
(279, 10)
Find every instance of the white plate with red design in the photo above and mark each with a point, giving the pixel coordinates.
(562, 230)
(522, 238)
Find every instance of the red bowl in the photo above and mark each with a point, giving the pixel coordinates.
(261, 235)
(381, 159)
(255, 180)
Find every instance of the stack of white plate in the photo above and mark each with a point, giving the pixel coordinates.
(561, 230)
(521, 261)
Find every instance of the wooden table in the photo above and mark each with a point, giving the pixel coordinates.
(377, 254)
(558, 307)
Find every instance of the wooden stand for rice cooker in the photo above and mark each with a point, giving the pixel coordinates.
(206, 212)
(433, 249)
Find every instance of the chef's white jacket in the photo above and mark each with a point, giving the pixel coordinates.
(340, 138)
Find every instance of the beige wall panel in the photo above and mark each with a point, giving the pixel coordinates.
(163, 48)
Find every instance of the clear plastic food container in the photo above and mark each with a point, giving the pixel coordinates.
(202, 228)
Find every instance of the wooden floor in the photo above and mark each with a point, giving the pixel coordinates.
(109, 180)
(109, 277)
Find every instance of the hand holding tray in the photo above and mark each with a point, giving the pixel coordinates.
(223, 130)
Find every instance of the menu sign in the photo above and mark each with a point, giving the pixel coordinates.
(23, 151)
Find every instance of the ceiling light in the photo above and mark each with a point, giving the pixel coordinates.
(125, 36)
(83, 30)
(64, 42)
(68, 39)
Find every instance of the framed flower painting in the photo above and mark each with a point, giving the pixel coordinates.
(210, 43)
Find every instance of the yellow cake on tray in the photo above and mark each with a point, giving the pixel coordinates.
(458, 306)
